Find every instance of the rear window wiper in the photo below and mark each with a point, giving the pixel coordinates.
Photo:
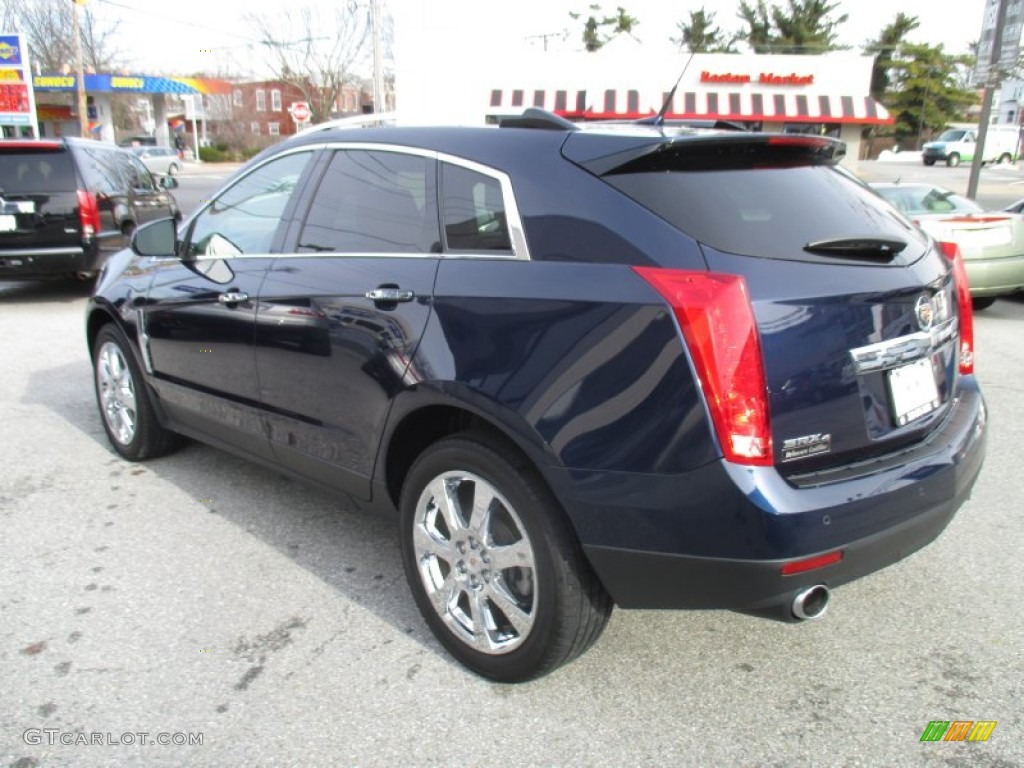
(869, 247)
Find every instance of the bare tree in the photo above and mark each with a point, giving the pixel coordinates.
(48, 25)
(316, 50)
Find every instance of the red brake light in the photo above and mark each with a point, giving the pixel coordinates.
(717, 321)
(799, 140)
(974, 219)
(811, 563)
(963, 295)
(88, 213)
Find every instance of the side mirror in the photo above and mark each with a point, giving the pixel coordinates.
(168, 182)
(157, 238)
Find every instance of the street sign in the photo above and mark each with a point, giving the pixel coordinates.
(1006, 57)
(299, 111)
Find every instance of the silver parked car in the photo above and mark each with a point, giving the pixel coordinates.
(162, 160)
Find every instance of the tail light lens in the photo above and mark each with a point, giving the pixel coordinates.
(717, 321)
(963, 296)
(88, 213)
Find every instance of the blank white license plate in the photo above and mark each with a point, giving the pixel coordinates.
(913, 391)
(985, 237)
(8, 223)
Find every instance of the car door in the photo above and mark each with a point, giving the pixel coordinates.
(340, 315)
(201, 309)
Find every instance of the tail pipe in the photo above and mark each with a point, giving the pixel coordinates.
(811, 603)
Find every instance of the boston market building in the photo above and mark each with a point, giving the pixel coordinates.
(826, 94)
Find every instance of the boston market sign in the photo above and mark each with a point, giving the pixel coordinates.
(765, 78)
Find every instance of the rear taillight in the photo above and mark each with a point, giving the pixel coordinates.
(963, 296)
(88, 213)
(717, 321)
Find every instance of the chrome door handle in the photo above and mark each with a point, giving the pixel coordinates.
(390, 294)
(233, 297)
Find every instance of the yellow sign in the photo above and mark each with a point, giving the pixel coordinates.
(53, 82)
(127, 82)
(10, 74)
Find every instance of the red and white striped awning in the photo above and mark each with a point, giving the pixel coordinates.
(786, 107)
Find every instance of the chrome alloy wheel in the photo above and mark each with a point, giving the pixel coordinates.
(476, 562)
(117, 393)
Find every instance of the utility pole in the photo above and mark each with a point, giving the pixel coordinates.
(378, 68)
(83, 109)
(992, 80)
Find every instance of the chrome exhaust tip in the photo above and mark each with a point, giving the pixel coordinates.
(811, 603)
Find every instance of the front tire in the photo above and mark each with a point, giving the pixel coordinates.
(979, 303)
(493, 564)
(124, 400)
(929, 161)
(953, 160)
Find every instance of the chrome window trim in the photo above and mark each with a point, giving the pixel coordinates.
(517, 234)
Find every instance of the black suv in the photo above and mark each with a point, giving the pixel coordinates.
(65, 206)
(588, 367)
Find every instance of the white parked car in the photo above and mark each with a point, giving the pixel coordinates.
(159, 159)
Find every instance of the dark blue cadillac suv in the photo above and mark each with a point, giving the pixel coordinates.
(646, 367)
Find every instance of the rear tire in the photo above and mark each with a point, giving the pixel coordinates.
(1005, 159)
(982, 302)
(493, 564)
(953, 160)
(929, 161)
(172, 169)
(124, 400)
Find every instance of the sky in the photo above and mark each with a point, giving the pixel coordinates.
(185, 36)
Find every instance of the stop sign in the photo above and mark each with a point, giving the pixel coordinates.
(300, 112)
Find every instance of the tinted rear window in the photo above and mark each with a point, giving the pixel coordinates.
(767, 211)
(34, 171)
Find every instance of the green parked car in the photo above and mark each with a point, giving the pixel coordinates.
(992, 242)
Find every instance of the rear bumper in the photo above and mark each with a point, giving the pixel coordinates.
(46, 262)
(718, 537)
(995, 277)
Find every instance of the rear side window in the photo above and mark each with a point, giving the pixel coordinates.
(100, 170)
(474, 211)
(767, 211)
(374, 202)
(33, 171)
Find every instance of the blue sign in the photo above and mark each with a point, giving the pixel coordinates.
(10, 51)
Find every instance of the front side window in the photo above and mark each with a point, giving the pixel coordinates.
(474, 211)
(246, 217)
(374, 202)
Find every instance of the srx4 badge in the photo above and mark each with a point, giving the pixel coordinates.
(808, 445)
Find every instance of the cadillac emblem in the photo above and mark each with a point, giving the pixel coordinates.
(925, 314)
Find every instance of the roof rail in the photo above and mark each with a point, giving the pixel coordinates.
(374, 120)
(533, 117)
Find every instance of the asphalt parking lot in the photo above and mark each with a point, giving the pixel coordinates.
(243, 619)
